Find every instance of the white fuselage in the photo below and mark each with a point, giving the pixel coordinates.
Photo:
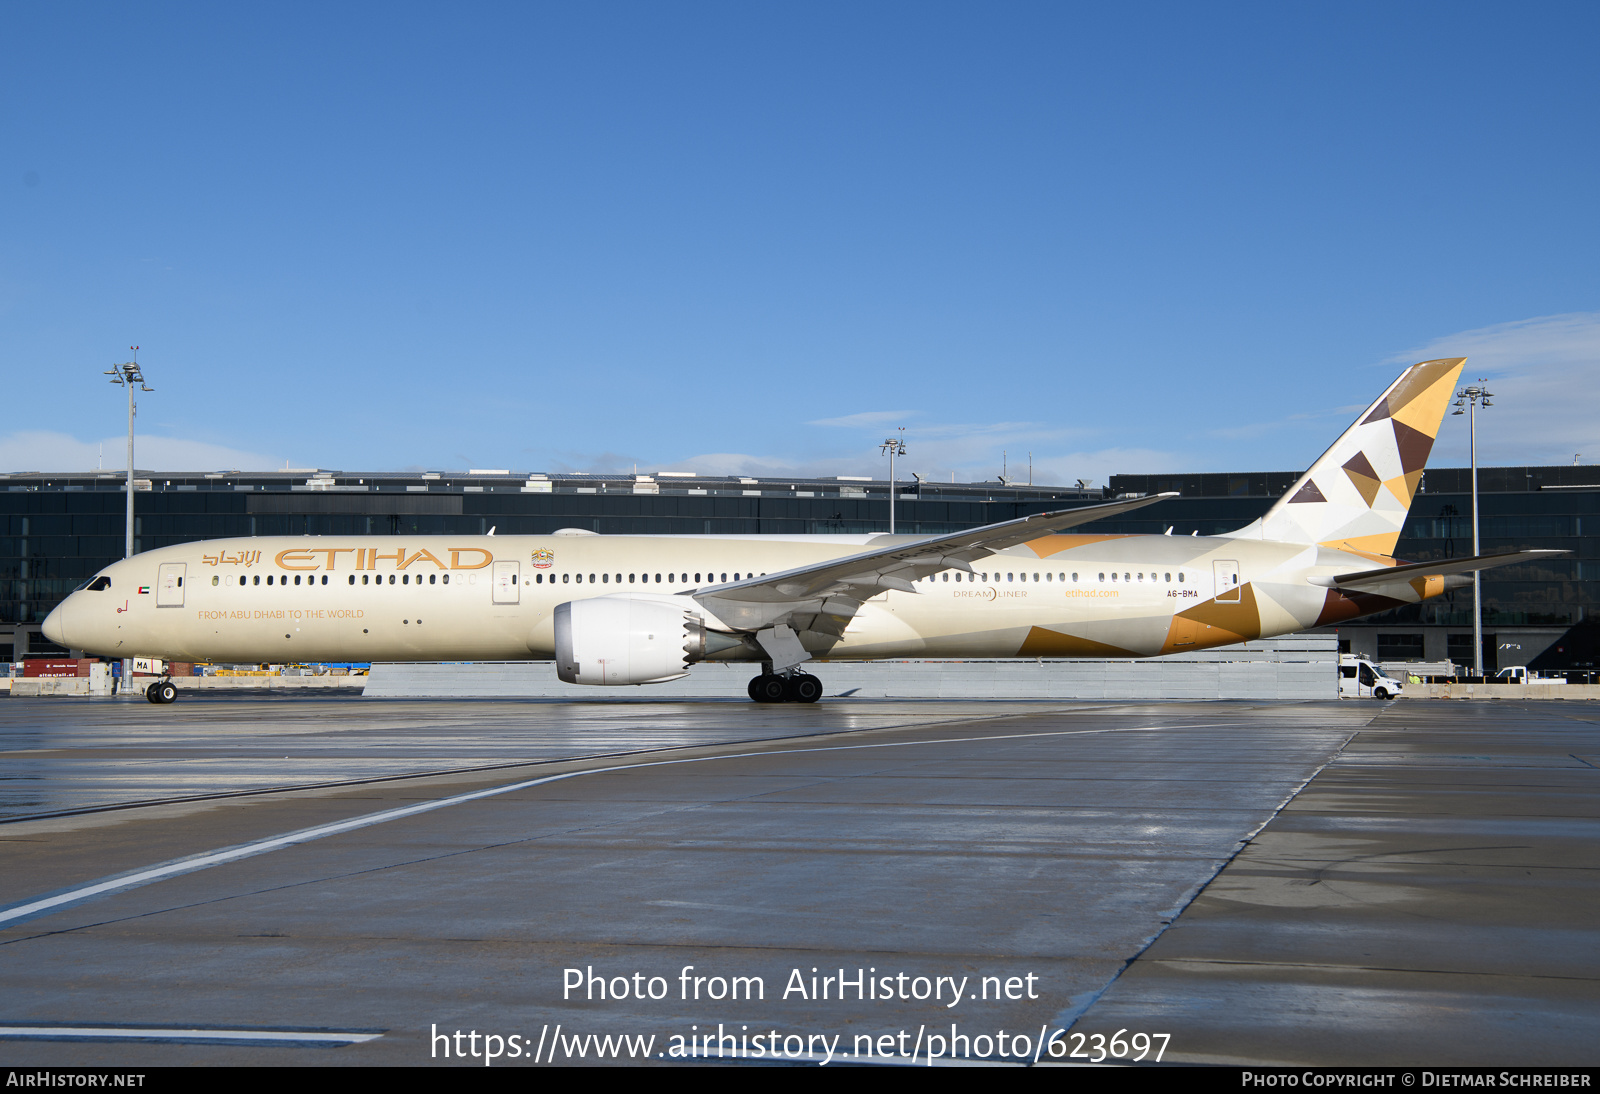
(395, 598)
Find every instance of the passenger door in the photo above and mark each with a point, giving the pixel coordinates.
(508, 583)
(169, 585)
(1227, 574)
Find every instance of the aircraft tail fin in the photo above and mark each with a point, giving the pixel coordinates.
(1357, 494)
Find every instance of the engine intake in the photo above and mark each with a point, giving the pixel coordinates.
(614, 640)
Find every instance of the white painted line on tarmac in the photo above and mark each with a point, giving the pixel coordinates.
(334, 1038)
(55, 901)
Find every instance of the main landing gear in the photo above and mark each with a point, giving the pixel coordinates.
(772, 687)
(162, 691)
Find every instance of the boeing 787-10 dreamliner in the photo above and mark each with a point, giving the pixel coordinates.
(613, 610)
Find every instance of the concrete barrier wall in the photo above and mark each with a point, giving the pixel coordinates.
(1503, 691)
(1303, 667)
(276, 683)
(40, 686)
(58, 685)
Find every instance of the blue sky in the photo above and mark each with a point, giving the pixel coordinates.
(755, 237)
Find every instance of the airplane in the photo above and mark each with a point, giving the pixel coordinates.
(627, 610)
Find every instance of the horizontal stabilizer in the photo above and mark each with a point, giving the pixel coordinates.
(1390, 574)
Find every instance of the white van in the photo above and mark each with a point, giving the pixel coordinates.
(1359, 677)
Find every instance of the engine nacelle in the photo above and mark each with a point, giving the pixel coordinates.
(625, 640)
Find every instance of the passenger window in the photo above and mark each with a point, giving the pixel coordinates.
(1036, 575)
(297, 579)
(1180, 577)
(1167, 577)
(447, 579)
(1074, 576)
(214, 579)
(591, 579)
(269, 579)
(697, 579)
(578, 578)
(433, 579)
(324, 579)
(352, 579)
(405, 579)
(605, 578)
(565, 578)
(257, 580)
(724, 577)
(391, 579)
(363, 579)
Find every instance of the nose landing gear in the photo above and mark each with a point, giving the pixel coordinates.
(772, 687)
(162, 691)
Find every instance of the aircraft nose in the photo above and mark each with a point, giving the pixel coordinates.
(55, 625)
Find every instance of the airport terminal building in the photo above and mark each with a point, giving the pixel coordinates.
(56, 530)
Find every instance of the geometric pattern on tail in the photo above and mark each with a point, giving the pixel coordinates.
(1357, 494)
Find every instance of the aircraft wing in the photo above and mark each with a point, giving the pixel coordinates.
(1389, 574)
(822, 598)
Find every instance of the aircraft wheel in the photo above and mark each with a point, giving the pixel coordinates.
(162, 691)
(750, 690)
(150, 692)
(769, 688)
(803, 688)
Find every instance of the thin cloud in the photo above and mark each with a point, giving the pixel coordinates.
(865, 418)
(41, 450)
(941, 463)
(1543, 373)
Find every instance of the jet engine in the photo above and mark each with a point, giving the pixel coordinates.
(630, 640)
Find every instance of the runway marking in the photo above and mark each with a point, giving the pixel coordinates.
(320, 1038)
(51, 902)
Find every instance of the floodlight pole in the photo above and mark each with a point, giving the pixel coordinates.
(894, 446)
(127, 375)
(1468, 398)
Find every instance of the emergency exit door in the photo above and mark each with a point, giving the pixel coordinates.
(507, 583)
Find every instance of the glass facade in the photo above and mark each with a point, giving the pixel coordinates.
(56, 531)
(1518, 508)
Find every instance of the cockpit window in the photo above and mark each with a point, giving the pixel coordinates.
(99, 584)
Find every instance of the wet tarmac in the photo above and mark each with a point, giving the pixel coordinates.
(1239, 881)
